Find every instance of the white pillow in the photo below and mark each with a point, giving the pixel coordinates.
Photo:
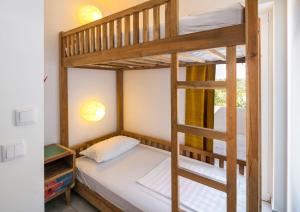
(110, 148)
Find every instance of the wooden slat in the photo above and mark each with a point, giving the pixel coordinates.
(72, 45)
(119, 80)
(129, 11)
(167, 20)
(119, 32)
(76, 43)
(174, 17)
(145, 25)
(190, 57)
(156, 23)
(104, 39)
(111, 34)
(98, 38)
(81, 43)
(86, 41)
(136, 28)
(174, 136)
(231, 128)
(63, 98)
(127, 30)
(201, 179)
(92, 43)
(205, 132)
(201, 84)
(253, 174)
(228, 36)
(217, 54)
(241, 169)
(64, 48)
(221, 163)
(99, 67)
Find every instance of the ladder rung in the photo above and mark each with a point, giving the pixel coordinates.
(205, 132)
(201, 84)
(221, 186)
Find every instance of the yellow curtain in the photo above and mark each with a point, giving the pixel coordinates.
(199, 109)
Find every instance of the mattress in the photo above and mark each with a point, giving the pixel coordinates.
(117, 180)
(229, 16)
(219, 147)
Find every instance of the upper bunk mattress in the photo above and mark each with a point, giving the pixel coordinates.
(225, 17)
(117, 180)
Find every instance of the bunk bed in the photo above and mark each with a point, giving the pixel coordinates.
(128, 41)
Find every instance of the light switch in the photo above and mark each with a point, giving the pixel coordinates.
(25, 116)
(12, 151)
(20, 149)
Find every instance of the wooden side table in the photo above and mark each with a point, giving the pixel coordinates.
(59, 171)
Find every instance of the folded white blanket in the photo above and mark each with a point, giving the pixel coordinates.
(194, 196)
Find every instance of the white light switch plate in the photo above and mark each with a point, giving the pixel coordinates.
(12, 150)
(25, 116)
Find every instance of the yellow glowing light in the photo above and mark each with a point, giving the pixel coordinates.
(89, 14)
(92, 111)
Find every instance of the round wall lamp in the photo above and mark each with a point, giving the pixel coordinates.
(92, 111)
(89, 14)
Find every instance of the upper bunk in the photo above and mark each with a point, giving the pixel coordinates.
(141, 37)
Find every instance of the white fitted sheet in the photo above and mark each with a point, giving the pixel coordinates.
(194, 196)
(225, 17)
(220, 147)
(116, 180)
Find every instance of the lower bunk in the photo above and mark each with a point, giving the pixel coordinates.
(139, 180)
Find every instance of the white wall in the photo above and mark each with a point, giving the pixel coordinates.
(21, 84)
(61, 15)
(280, 107)
(266, 22)
(293, 106)
(85, 85)
(147, 100)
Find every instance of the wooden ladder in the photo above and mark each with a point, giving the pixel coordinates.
(229, 136)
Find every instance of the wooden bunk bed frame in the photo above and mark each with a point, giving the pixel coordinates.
(99, 45)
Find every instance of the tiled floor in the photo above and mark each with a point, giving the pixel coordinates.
(78, 204)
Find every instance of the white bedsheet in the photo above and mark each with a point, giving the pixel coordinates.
(194, 196)
(116, 180)
(229, 16)
(220, 147)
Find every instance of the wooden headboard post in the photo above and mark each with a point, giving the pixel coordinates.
(63, 95)
(253, 173)
(120, 103)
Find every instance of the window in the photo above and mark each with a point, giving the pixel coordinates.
(220, 95)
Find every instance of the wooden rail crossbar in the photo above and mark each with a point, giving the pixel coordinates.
(208, 133)
(201, 85)
(206, 180)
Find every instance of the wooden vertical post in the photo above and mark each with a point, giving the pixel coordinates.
(231, 128)
(174, 136)
(63, 96)
(253, 173)
(120, 107)
(174, 19)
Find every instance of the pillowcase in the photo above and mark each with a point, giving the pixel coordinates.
(110, 148)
